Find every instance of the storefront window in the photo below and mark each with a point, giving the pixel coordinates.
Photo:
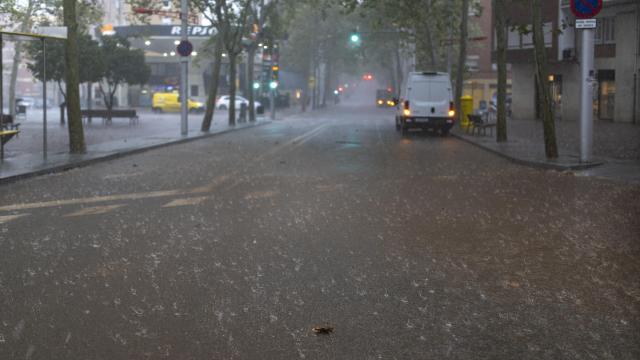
(606, 94)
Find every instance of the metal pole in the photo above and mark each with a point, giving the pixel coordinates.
(44, 99)
(1, 83)
(272, 92)
(586, 96)
(184, 71)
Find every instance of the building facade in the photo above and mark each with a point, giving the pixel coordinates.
(617, 61)
(482, 84)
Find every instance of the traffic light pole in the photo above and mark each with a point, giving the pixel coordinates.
(272, 96)
(184, 71)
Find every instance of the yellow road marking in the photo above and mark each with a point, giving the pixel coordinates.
(186, 202)
(91, 200)
(260, 195)
(96, 210)
(5, 219)
(217, 181)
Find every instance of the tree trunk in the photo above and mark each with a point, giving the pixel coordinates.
(501, 54)
(550, 145)
(328, 83)
(462, 59)
(17, 57)
(399, 72)
(250, 79)
(213, 87)
(76, 132)
(89, 98)
(232, 88)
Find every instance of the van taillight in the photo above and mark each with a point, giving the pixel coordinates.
(451, 106)
(406, 105)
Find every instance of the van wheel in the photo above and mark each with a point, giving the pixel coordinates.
(404, 128)
(157, 110)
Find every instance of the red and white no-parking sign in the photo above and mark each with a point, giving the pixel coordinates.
(586, 9)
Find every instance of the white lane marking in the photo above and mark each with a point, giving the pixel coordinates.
(186, 202)
(5, 219)
(96, 210)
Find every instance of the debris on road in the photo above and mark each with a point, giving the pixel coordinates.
(323, 329)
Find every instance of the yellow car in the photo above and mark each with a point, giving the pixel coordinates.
(170, 102)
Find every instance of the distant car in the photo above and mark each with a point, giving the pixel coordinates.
(426, 103)
(170, 102)
(223, 103)
(384, 98)
(26, 101)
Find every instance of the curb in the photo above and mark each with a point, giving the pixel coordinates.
(120, 154)
(531, 163)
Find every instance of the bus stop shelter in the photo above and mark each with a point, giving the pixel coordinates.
(45, 35)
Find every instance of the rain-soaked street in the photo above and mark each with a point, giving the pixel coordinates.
(236, 246)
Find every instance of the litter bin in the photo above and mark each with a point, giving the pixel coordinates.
(466, 104)
(243, 113)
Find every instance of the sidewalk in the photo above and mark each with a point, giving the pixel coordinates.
(24, 156)
(616, 148)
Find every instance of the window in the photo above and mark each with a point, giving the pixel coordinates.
(606, 31)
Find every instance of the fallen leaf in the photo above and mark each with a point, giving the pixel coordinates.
(324, 329)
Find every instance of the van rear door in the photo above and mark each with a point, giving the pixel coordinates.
(430, 97)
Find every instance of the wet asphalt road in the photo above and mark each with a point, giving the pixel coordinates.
(236, 246)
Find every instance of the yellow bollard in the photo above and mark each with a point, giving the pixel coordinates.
(466, 104)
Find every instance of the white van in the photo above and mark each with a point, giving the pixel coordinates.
(426, 102)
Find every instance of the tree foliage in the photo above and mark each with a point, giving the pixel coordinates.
(122, 65)
(90, 60)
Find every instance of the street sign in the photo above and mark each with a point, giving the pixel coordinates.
(185, 48)
(586, 9)
(586, 23)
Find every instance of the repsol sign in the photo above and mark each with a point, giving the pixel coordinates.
(162, 31)
(193, 31)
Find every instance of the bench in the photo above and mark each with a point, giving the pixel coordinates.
(106, 115)
(5, 136)
(6, 123)
(479, 124)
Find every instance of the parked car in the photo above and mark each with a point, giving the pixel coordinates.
(223, 103)
(426, 102)
(170, 102)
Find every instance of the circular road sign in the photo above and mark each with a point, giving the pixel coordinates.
(586, 9)
(185, 48)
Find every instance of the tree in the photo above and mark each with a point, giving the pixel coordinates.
(540, 51)
(122, 65)
(501, 55)
(259, 14)
(23, 15)
(232, 21)
(89, 59)
(72, 68)
(213, 86)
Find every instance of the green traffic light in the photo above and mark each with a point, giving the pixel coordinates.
(355, 38)
(256, 85)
